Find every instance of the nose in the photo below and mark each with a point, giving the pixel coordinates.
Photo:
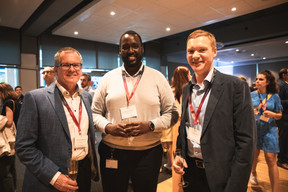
(195, 54)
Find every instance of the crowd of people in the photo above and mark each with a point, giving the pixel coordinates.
(221, 123)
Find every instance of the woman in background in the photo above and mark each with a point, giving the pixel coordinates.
(7, 162)
(181, 76)
(267, 109)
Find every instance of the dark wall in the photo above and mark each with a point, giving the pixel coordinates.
(9, 46)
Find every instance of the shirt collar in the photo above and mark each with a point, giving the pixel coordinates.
(65, 93)
(136, 74)
(206, 81)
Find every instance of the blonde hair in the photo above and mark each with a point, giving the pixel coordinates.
(200, 33)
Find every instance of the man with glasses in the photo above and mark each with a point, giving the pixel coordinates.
(56, 125)
(48, 75)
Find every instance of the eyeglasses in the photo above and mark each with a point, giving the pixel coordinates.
(44, 72)
(66, 66)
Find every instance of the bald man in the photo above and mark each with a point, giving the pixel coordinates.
(48, 75)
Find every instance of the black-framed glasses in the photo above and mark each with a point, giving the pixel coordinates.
(66, 66)
(44, 72)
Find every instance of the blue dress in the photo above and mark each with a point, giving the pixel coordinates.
(267, 135)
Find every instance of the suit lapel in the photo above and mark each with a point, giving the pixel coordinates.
(55, 100)
(216, 92)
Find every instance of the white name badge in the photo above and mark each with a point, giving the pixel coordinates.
(194, 135)
(112, 163)
(128, 112)
(81, 141)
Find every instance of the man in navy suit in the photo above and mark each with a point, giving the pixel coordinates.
(217, 130)
(55, 125)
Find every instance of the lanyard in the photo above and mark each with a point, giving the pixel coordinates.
(263, 105)
(129, 96)
(196, 116)
(72, 114)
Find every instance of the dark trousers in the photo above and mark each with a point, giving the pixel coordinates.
(283, 141)
(84, 175)
(141, 166)
(6, 176)
(196, 177)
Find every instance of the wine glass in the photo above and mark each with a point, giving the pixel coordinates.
(72, 168)
(130, 138)
(178, 153)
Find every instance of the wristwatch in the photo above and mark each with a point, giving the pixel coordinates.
(151, 126)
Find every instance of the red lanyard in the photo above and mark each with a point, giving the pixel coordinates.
(129, 96)
(196, 116)
(263, 106)
(72, 114)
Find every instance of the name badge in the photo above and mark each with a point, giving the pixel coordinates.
(263, 118)
(81, 141)
(128, 112)
(112, 163)
(194, 135)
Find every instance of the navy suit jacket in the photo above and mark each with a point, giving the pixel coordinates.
(43, 141)
(228, 139)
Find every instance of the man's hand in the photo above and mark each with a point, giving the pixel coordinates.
(137, 128)
(116, 130)
(178, 165)
(64, 183)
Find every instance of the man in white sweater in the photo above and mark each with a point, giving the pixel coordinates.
(131, 107)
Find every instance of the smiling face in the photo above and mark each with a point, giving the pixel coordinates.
(131, 50)
(68, 78)
(200, 54)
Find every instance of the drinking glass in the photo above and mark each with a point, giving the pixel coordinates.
(72, 168)
(183, 183)
(130, 138)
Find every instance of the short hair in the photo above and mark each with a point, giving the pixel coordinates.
(57, 58)
(130, 32)
(18, 86)
(282, 71)
(87, 75)
(200, 33)
(272, 87)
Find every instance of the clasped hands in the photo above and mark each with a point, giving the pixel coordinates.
(127, 130)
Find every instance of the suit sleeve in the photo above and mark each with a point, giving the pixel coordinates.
(26, 142)
(245, 138)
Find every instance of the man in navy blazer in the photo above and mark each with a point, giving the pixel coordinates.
(217, 132)
(55, 125)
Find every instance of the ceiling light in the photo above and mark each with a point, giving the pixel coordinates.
(76, 33)
(112, 13)
(237, 50)
(252, 54)
(168, 29)
(233, 9)
(286, 42)
(264, 58)
(218, 59)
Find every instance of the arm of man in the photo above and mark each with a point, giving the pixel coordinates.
(245, 139)
(26, 143)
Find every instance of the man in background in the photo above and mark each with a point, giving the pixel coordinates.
(283, 123)
(18, 90)
(86, 85)
(56, 125)
(48, 75)
(217, 133)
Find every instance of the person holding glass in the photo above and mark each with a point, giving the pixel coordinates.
(267, 109)
(217, 133)
(56, 125)
(131, 107)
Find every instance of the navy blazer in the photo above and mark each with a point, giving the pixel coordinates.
(228, 139)
(43, 141)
